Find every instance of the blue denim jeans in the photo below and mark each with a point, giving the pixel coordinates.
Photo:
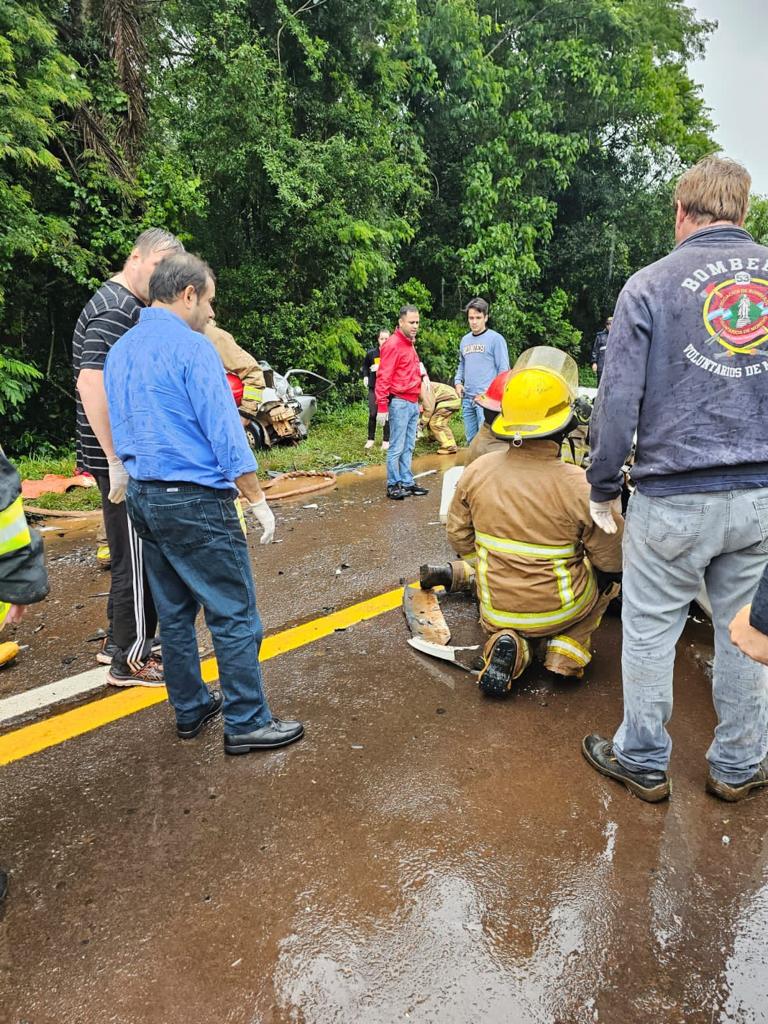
(196, 555)
(473, 417)
(403, 423)
(671, 545)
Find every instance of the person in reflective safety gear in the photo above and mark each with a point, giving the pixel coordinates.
(23, 576)
(520, 521)
(242, 365)
(439, 402)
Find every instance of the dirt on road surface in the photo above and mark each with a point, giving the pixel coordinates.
(422, 855)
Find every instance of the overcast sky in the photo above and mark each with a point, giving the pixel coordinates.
(733, 76)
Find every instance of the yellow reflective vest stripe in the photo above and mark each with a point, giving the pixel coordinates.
(14, 532)
(502, 545)
(251, 393)
(241, 516)
(570, 605)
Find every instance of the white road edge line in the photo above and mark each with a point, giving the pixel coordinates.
(52, 693)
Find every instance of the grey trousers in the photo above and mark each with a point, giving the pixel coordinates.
(671, 545)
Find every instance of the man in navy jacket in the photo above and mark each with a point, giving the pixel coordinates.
(687, 371)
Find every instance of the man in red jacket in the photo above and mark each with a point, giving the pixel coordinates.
(398, 383)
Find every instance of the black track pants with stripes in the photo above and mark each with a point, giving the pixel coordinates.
(131, 610)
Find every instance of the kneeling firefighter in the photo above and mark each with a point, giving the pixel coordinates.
(520, 520)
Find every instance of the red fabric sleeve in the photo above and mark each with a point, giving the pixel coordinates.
(386, 373)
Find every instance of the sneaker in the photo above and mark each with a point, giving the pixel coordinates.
(385, 446)
(649, 786)
(368, 445)
(415, 489)
(726, 791)
(109, 649)
(150, 674)
(396, 492)
(447, 451)
(104, 556)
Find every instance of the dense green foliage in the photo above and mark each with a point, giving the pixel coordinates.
(334, 158)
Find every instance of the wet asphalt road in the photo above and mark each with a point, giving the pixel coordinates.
(423, 855)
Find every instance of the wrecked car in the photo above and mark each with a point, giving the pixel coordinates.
(285, 411)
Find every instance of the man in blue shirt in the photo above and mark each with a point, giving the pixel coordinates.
(178, 433)
(482, 356)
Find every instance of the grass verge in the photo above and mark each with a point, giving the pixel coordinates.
(336, 436)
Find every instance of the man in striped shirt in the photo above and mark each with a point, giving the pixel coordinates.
(107, 315)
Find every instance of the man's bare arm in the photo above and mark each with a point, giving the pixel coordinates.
(90, 384)
(249, 485)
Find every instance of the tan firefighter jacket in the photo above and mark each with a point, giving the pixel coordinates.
(236, 360)
(436, 396)
(484, 442)
(524, 514)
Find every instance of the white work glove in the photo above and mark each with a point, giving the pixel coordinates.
(381, 418)
(365, 381)
(118, 480)
(266, 518)
(602, 514)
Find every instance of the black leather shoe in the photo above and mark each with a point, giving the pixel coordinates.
(188, 730)
(435, 576)
(415, 490)
(274, 734)
(396, 492)
(734, 793)
(649, 786)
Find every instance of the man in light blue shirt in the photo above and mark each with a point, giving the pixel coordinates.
(177, 431)
(482, 356)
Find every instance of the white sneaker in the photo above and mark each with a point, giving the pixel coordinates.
(384, 445)
(368, 444)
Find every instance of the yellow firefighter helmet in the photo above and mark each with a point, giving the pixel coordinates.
(539, 395)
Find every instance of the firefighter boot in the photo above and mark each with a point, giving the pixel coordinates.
(435, 576)
(505, 657)
(454, 576)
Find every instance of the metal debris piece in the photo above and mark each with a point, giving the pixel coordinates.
(467, 658)
(424, 616)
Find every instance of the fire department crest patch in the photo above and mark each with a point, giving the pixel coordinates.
(736, 313)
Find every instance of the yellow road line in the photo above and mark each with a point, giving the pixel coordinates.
(31, 739)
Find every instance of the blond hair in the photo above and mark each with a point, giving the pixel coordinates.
(715, 188)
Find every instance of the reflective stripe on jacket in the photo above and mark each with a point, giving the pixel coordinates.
(23, 578)
(14, 532)
(236, 360)
(439, 396)
(525, 514)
